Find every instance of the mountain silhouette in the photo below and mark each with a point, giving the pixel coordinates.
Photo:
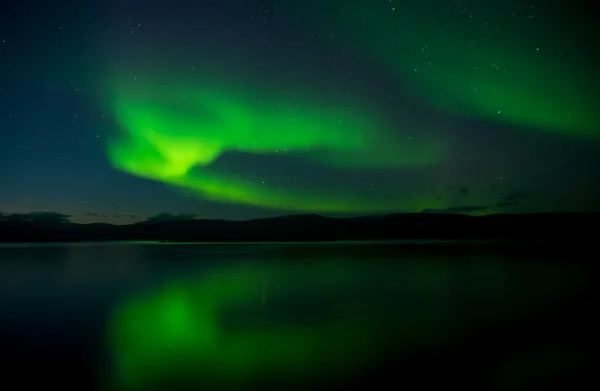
(311, 227)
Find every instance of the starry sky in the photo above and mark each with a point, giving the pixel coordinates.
(122, 110)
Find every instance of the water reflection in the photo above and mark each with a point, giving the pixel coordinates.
(321, 322)
(88, 264)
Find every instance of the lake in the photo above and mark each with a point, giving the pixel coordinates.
(146, 316)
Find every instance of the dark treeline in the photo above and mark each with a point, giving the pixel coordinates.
(544, 227)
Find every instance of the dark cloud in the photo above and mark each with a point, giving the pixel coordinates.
(506, 204)
(115, 215)
(515, 196)
(458, 209)
(127, 215)
(171, 217)
(511, 199)
(45, 217)
(130, 215)
(453, 191)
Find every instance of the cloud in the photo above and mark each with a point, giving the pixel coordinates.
(454, 191)
(511, 199)
(506, 204)
(171, 217)
(128, 215)
(458, 209)
(45, 217)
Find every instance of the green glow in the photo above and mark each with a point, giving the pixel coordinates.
(175, 135)
(225, 329)
(238, 325)
(504, 62)
(186, 325)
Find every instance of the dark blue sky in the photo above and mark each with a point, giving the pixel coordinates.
(56, 57)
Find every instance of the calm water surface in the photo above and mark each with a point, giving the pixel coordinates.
(146, 315)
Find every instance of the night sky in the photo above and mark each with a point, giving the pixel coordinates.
(116, 111)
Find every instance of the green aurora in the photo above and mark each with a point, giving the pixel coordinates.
(473, 61)
(475, 58)
(174, 134)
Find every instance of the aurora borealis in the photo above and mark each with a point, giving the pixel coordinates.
(117, 111)
(503, 60)
(185, 129)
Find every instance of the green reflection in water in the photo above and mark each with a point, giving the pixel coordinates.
(237, 326)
